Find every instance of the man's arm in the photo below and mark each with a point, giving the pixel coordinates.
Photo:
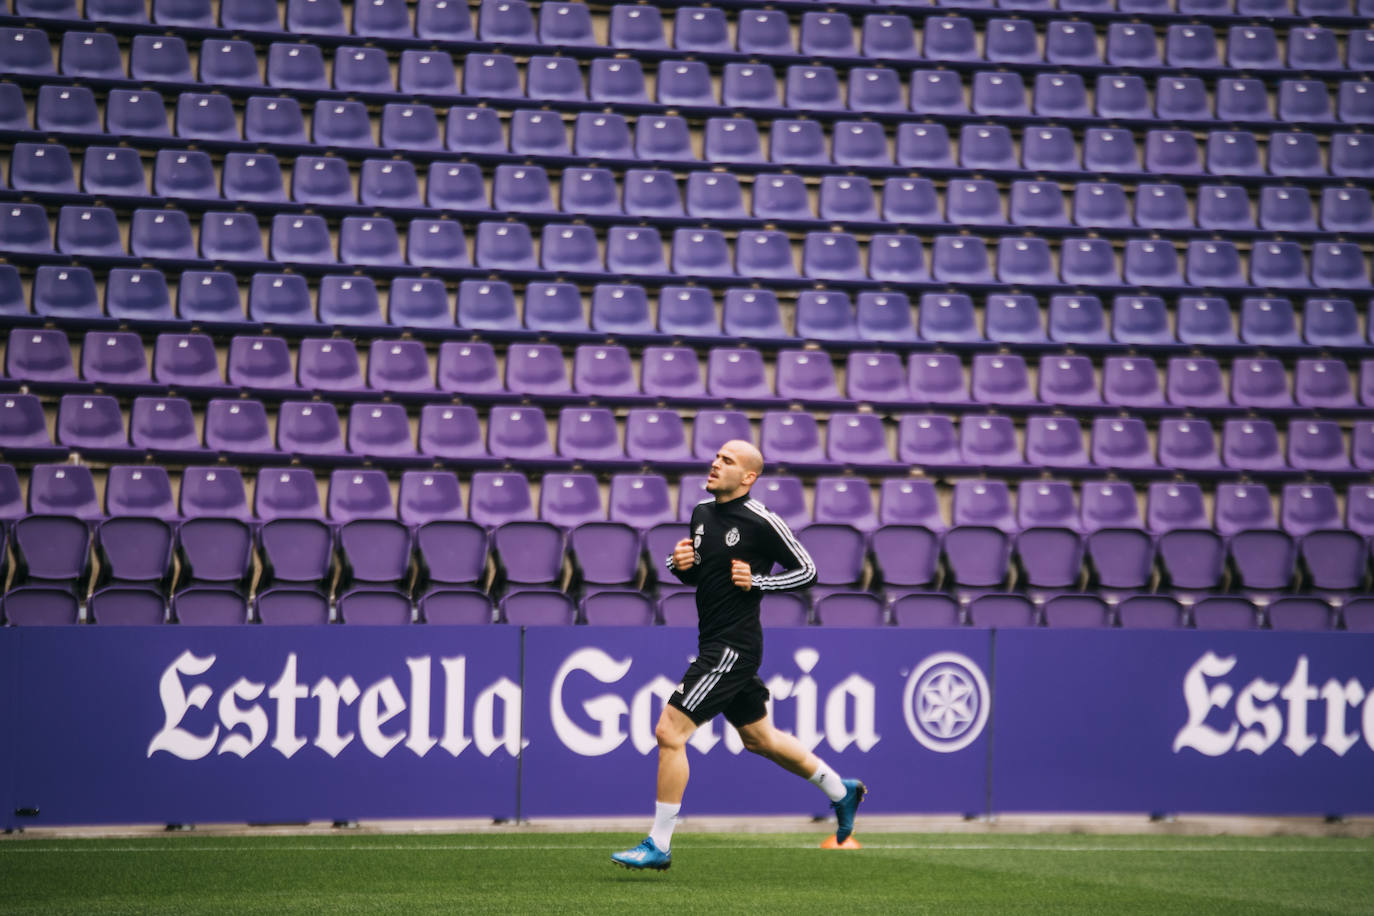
(799, 570)
(682, 562)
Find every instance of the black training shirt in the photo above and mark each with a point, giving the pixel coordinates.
(740, 529)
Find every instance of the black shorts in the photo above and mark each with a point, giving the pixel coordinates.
(720, 681)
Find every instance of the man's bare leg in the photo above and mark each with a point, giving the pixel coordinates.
(786, 751)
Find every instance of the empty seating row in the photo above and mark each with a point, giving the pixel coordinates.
(41, 359)
(303, 238)
(286, 300)
(656, 193)
(762, 33)
(738, 140)
(95, 425)
(749, 85)
(630, 26)
(1048, 539)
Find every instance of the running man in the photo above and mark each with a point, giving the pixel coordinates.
(735, 542)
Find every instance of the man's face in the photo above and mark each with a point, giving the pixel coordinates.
(728, 476)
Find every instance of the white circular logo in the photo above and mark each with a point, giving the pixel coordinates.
(946, 702)
(732, 537)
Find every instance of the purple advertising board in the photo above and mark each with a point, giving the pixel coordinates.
(904, 710)
(1184, 721)
(258, 724)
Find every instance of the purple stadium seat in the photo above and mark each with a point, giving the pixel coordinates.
(656, 435)
(1193, 555)
(1187, 444)
(1121, 551)
(1121, 442)
(788, 437)
(978, 545)
(999, 611)
(1155, 612)
(588, 434)
(1262, 555)
(845, 501)
(1076, 611)
(330, 364)
(518, 433)
(1048, 545)
(850, 609)
(925, 609)
(310, 428)
(1055, 442)
(1225, 612)
(1334, 557)
(927, 440)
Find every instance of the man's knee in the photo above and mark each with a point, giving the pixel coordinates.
(756, 741)
(672, 730)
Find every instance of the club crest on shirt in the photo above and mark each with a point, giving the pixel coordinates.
(732, 537)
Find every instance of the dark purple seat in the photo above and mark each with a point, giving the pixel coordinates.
(23, 428)
(92, 423)
(784, 609)
(1048, 546)
(618, 609)
(1081, 611)
(850, 609)
(114, 357)
(297, 548)
(1262, 555)
(906, 547)
(538, 607)
(1357, 614)
(1152, 612)
(678, 609)
(214, 541)
(1334, 557)
(135, 541)
(978, 545)
(784, 496)
(1225, 612)
(208, 605)
(529, 552)
(1193, 555)
(1121, 551)
(838, 550)
(1000, 611)
(330, 365)
(925, 609)
(374, 544)
(1300, 612)
(40, 605)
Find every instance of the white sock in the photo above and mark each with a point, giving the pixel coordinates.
(829, 781)
(665, 819)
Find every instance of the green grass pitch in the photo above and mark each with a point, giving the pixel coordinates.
(712, 873)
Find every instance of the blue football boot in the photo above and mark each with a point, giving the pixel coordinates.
(845, 808)
(647, 855)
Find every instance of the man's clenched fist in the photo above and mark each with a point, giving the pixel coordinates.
(741, 574)
(684, 557)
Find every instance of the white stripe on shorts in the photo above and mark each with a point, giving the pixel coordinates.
(704, 686)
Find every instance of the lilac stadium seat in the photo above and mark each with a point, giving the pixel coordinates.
(928, 440)
(671, 372)
(604, 370)
(1224, 612)
(115, 357)
(419, 302)
(348, 300)
(884, 316)
(1121, 442)
(330, 364)
(1055, 442)
(380, 431)
(538, 607)
(938, 378)
(518, 433)
(640, 500)
(1323, 383)
(1078, 319)
(1014, 319)
(65, 292)
(91, 423)
(857, 439)
(310, 428)
(1317, 445)
(1252, 445)
(186, 360)
(451, 431)
(487, 305)
(737, 373)
(39, 355)
(555, 307)
(1195, 382)
(588, 434)
(239, 428)
(165, 425)
(297, 547)
(1131, 382)
(657, 436)
(789, 438)
(823, 315)
(1068, 380)
(1140, 320)
(536, 369)
(805, 376)
(712, 428)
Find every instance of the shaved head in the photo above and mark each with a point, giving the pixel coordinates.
(749, 457)
(734, 469)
